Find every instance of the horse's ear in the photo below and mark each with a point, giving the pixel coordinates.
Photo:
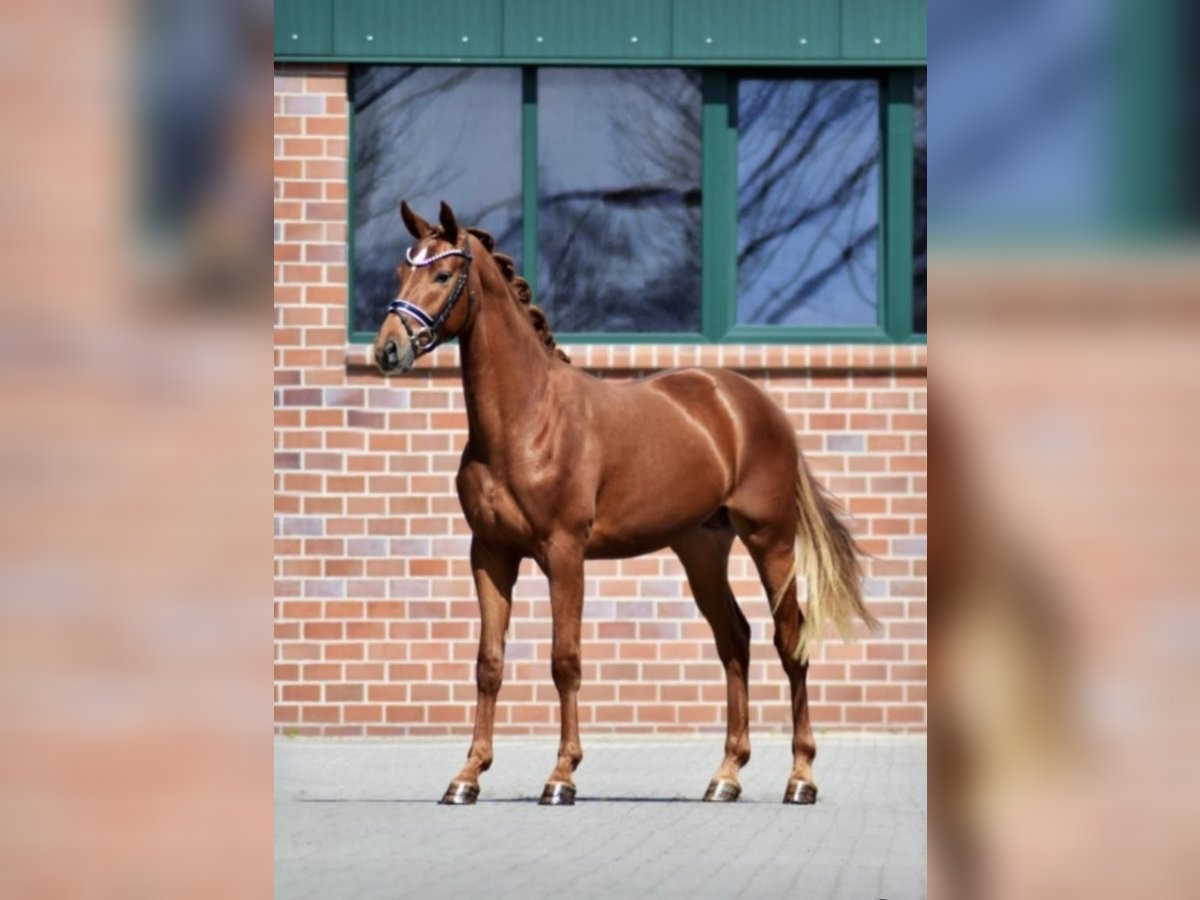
(416, 226)
(449, 223)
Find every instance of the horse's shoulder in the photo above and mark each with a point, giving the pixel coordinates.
(692, 380)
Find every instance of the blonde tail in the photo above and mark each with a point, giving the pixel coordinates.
(830, 565)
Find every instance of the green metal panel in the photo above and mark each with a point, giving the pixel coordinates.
(529, 178)
(630, 337)
(304, 28)
(1146, 131)
(411, 30)
(691, 32)
(883, 29)
(617, 29)
(791, 334)
(756, 29)
(897, 217)
(718, 196)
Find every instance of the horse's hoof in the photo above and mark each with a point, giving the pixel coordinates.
(800, 792)
(558, 794)
(723, 791)
(460, 794)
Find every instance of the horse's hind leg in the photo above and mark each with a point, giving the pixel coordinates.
(705, 556)
(771, 540)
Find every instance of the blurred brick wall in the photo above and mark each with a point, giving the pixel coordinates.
(376, 622)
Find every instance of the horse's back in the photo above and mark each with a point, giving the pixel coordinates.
(682, 440)
(728, 400)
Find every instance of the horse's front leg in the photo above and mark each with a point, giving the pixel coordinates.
(495, 574)
(564, 569)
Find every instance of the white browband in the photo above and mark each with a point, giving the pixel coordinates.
(421, 260)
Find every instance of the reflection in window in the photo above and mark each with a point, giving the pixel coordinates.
(427, 134)
(920, 206)
(808, 202)
(619, 199)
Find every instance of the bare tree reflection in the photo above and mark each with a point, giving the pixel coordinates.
(619, 229)
(808, 220)
(619, 199)
(428, 134)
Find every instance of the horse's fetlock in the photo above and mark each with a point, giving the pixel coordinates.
(739, 749)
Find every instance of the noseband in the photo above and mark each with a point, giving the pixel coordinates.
(429, 335)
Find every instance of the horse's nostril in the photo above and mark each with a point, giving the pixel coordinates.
(391, 353)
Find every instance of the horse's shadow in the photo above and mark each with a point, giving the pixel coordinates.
(532, 799)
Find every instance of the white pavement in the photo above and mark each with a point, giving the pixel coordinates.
(360, 819)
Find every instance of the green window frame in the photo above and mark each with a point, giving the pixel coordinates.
(718, 311)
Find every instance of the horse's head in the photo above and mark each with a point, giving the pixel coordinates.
(433, 303)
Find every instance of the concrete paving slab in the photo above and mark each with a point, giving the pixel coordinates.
(360, 819)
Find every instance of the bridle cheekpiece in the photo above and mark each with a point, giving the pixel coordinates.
(429, 335)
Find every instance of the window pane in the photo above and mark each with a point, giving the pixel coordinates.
(427, 134)
(920, 206)
(808, 202)
(619, 199)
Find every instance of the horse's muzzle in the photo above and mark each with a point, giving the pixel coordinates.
(394, 359)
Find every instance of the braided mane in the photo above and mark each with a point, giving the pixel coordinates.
(521, 293)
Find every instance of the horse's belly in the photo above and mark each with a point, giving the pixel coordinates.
(656, 498)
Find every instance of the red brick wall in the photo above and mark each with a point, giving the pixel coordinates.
(375, 617)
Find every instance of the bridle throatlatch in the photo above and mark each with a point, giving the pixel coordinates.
(429, 334)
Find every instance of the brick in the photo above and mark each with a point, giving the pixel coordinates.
(901, 715)
(845, 443)
(322, 631)
(287, 460)
(302, 397)
(344, 693)
(364, 713)
(304, 105)
(325, 211)
(357, 418)
(386, 398)
(301, 651)
(302, 609)
(296, 525)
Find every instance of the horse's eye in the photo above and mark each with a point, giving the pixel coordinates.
(441, 277)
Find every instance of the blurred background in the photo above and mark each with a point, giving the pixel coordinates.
(134, 433)
(135, 458)
(1064, 299)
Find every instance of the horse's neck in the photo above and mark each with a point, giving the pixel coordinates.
(504, 369)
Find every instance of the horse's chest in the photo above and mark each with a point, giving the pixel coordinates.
(490, 507)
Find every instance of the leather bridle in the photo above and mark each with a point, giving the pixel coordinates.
(429, 335)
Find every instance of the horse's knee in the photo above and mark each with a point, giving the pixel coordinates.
(565, 668)
(489, 673)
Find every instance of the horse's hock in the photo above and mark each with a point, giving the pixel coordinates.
(377, 625)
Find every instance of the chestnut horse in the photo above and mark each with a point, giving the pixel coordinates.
(562, 467)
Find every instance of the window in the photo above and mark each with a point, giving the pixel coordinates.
(661, 203)
(807, 202)
(619, 199)
(427, 134)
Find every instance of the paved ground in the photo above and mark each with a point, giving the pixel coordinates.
(359, 819)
